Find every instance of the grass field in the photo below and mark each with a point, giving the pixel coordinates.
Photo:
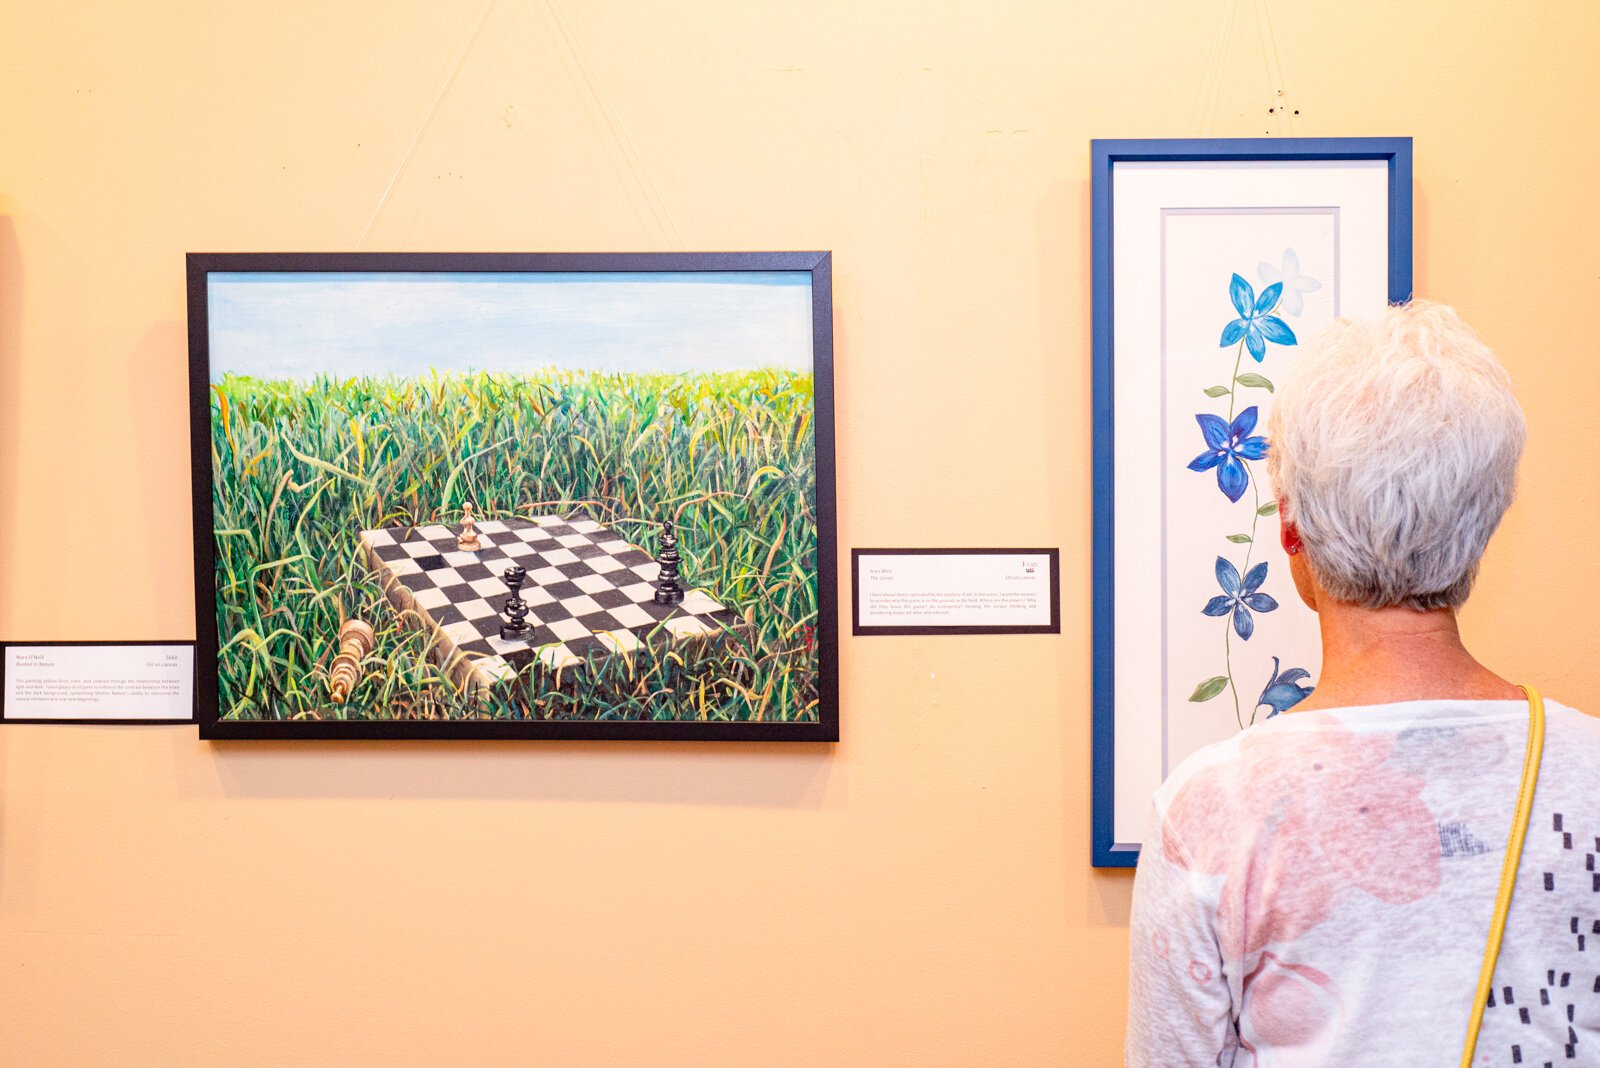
(300, 469)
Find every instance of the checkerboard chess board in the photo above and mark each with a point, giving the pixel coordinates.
(590, 594)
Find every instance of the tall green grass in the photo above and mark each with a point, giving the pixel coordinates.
(301, 469)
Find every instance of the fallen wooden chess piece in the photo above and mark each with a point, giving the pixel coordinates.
(356, 640)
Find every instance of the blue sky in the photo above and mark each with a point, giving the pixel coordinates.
(273, 325)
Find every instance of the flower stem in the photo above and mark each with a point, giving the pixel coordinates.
(1227, 654)
(1255, 518)
(1227, 626)
(1255, 521)
(1233, 383)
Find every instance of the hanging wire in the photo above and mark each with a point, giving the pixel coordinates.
(427, 119)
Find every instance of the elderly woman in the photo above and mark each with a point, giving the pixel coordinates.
(1317, 890)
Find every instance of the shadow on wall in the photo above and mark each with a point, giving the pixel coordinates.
(750, 776)
(10, 406)
(155, 383)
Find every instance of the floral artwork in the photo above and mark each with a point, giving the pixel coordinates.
(1216, 263)
(1233, 450)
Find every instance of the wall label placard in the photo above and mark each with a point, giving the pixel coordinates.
(97, 682)
(955, 591)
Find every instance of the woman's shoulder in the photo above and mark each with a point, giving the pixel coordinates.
(1571, 736)
(1317, 751)
(1576, 720)
(1336, 781)
(1257, 750)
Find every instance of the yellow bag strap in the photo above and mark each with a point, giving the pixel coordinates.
(1508, 871)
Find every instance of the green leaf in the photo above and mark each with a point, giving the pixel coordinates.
(1270, 508)
(1240, 539)
(1210, 688)
(1218, 391)
(323, 465)
(1253, 379)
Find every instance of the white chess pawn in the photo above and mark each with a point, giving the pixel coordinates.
(468, 541)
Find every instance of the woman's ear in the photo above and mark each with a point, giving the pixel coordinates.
(1288, 533)
(1305, 584)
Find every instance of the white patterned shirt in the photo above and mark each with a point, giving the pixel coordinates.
(1317, 890)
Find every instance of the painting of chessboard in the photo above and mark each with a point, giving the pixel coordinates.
(589, 592)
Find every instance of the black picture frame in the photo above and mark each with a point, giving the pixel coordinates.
(212, 724)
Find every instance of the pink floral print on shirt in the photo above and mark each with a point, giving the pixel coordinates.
(1340, 818)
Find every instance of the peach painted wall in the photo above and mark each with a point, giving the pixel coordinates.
(919, 894)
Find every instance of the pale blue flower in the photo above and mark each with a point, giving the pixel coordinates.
(1295, 284)
(1255, 325)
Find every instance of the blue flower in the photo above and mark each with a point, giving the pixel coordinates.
(1240, 597)
(1284, 691)
(1295, 284)
(1254, 324)
(1227, 449)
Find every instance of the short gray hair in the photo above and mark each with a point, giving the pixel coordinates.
(1395, 444)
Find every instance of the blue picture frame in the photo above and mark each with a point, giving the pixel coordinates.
(1106, 851)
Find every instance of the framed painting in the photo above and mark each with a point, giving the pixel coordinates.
(514, 495)
(1213, 260)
